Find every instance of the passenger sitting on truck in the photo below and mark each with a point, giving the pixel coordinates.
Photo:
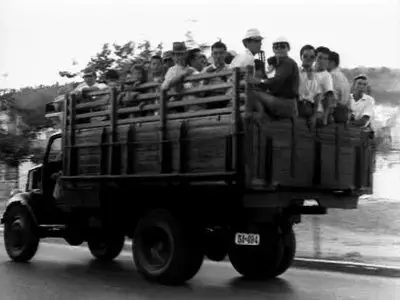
(218, 52)
(361, 104)
(89, 84)
(176, 74)
(326, 83)
(279, 94)
(168, 60)
(252, 41)
(156, 72)
(309, 105)
(341, 89)
(112, 78)
(195, 59)
(127, 97)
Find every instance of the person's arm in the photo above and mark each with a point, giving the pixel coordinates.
(177, 78)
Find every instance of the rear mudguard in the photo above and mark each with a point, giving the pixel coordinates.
(19, 199)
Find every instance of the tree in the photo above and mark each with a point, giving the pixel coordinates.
(191, 43)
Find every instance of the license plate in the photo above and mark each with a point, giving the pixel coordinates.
(248, 239)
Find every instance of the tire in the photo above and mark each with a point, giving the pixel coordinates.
(262, 261)
(176, 246)
(106, 249)
(21, 236)
(216, 245)
(289, 252)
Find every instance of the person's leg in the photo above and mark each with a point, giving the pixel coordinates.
(277, 107)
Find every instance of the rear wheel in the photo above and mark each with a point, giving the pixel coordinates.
(289, 252)
(21, 237)
(106, 248)
(263, 260)
(165, 249)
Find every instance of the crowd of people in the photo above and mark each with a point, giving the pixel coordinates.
(317, 89)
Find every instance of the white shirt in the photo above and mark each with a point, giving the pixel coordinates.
(175, 71)
(364, 107)
(325, 81)
(341, 87)
(83, 85)
(309, 87)
(243, 60)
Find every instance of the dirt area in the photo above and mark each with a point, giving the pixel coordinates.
(367, 234)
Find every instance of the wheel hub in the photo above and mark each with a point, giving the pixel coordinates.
(17, 234)
(157, 249)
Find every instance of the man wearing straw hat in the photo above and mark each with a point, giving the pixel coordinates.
(176, 73)
(252, 41)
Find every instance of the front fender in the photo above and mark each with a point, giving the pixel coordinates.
(19, 199)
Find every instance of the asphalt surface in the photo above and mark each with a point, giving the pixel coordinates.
(63, 272)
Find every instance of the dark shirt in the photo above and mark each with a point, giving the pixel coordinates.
(285, 84)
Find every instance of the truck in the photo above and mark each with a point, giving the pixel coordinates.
(186, 184)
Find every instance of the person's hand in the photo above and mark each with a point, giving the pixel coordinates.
(254, 80)
(211, 69)
(189, 72)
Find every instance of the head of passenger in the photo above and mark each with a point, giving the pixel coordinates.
(218, 53)
(281, 47)
(112, 78)
(253, 40)
(179, 51)
(168, 60)
(322, 58)
(139, 74)
(89, 76)
(156, 65)
(195, 59)
(307, 56)
(334, 61)
(360, 84)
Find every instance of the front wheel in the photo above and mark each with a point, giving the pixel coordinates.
(21, 238)
(105, 248)
(258, 261)
(165, 249)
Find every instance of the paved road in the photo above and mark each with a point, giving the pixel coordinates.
(63, 272)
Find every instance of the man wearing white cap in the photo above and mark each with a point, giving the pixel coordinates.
(252, 41)
(281, 91)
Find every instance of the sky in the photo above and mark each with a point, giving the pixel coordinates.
(41, 37)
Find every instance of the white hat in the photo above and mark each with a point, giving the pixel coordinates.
(253, 33)
(281, 39)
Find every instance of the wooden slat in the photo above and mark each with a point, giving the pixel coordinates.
(171, 176)
(92, 114)
(201, 89)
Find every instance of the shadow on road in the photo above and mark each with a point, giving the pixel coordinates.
(276, 285)
(90, 277)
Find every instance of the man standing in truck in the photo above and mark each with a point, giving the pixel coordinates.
(252, 41)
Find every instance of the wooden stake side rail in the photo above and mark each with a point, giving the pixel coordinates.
(221, 143)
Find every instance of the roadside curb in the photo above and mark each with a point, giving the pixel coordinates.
(319, 264)
(346, 267)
